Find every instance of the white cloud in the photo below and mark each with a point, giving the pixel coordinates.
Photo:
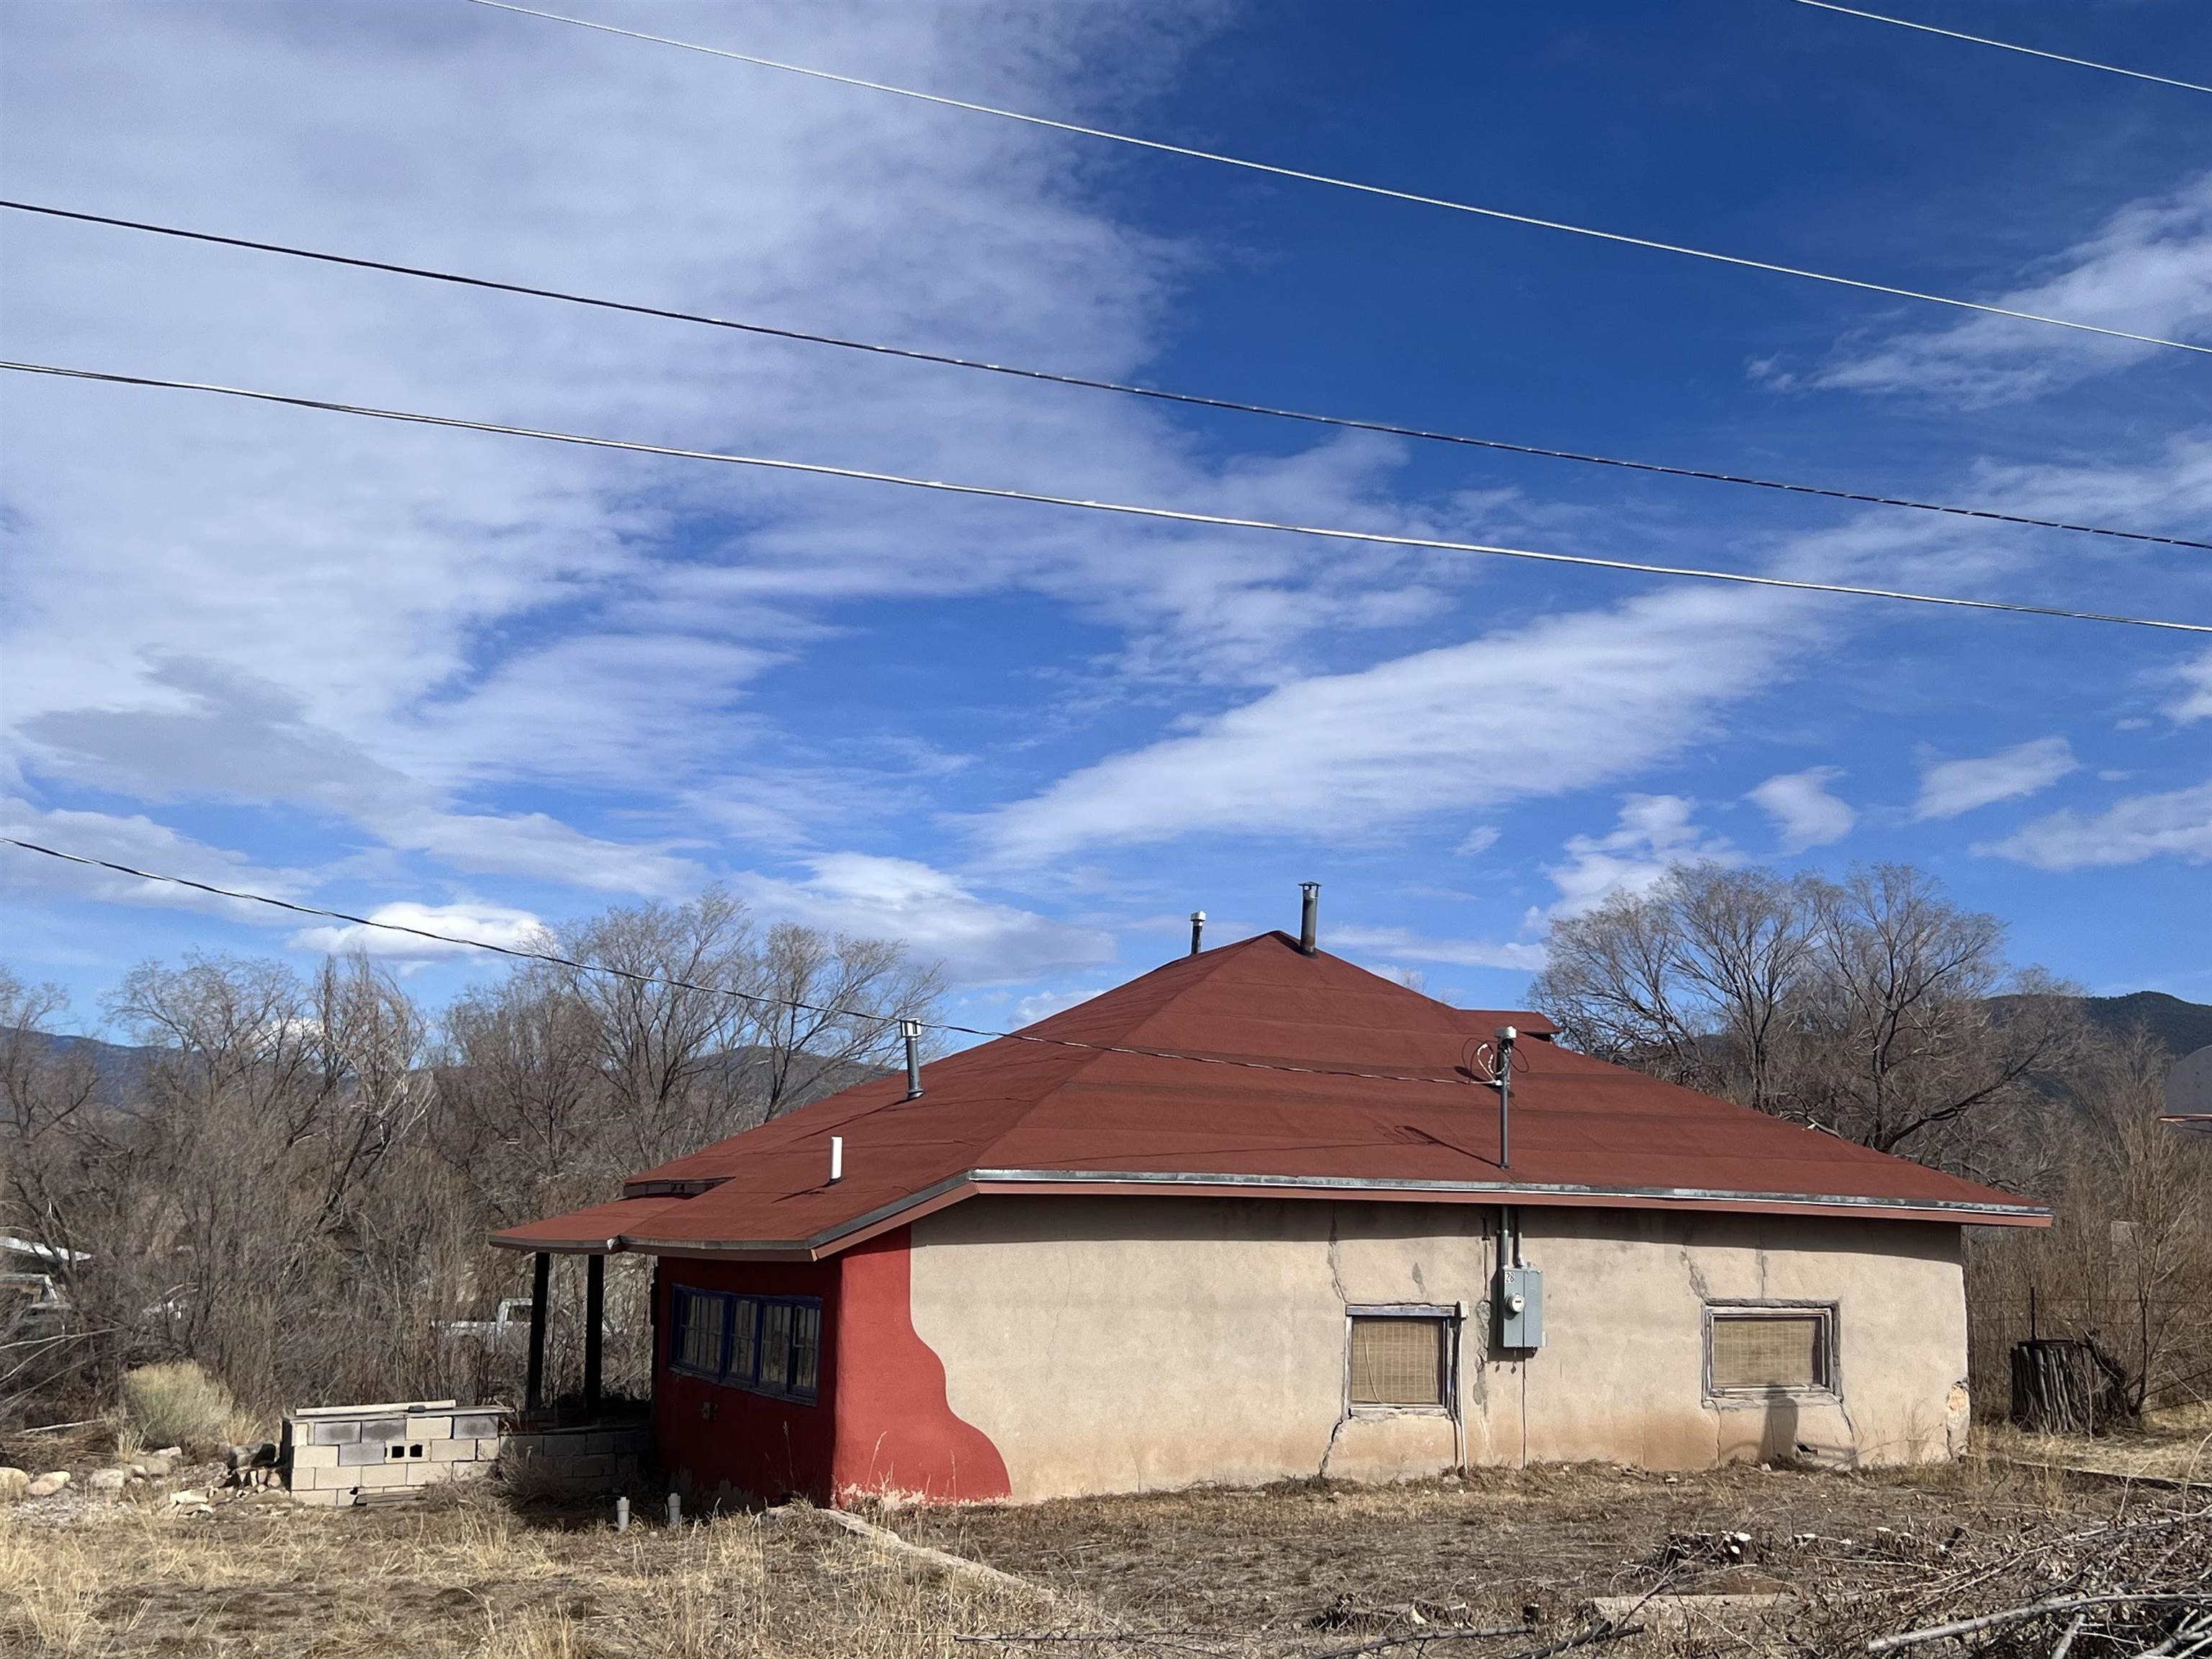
(1805, 810)
(2148, 270)
(1950, 788)
(143, 844)
(539, 847)
(936, 913)
(2174, 824)
(1459, 952)
(487, 924)
(1043, 1005)
(1558, 704)
(1477, 842)
(2194, 703)
(1654, 834)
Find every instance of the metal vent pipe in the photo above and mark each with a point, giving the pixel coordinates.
(911, 1032)
(1506, 1035)
(1309, 916)
(1197, 930)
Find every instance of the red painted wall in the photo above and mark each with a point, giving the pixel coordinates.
(720, 1436)
(881, 1423)
(896, 1432)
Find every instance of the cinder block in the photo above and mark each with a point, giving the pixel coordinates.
(489, 1447)
(452, 1451)
(325, 1498)
(469, 1471)
(428, 1475)
(368, 1453)
(384, 1429)
(336, 1434)
(383, 1474)
(314, 1457)
(430, 1428)
(476, 1425)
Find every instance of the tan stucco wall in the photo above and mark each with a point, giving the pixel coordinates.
(1132, 1344)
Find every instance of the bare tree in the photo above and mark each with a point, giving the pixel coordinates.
(1864, 1006)
(666, 1016)
(835, 1013)
(1692, 979)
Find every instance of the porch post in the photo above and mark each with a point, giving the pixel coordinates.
(541, 1278)
(595, 1304)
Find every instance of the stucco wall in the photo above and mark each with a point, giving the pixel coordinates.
(1128, 1344)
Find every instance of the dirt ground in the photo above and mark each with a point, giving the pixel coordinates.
(1309, 1569)
(1502, 1548)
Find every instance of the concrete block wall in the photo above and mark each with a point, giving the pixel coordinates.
(332, 1456)
(582, 1461)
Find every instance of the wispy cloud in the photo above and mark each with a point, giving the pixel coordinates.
(1949, 788)
(938, 915)
(2147, 269)
(486, 924)
(1805, 810)
(2195, 701)
(2177, 823)
(143, 844)
(1654, 834)
(1459, 952)
(1558, 704)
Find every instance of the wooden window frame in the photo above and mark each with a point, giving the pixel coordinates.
(1448, 1315)
(729, 1372)
(1829, 1314)
(685, 1297)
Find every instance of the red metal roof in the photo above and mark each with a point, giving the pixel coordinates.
(1029, 1113)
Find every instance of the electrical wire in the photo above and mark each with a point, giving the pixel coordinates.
(1166, 515)
(1304, 177)
(1190, 398)
(2005, 45)
(750, 998)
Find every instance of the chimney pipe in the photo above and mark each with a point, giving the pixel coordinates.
(1197, 930)
(837, 1159)
(1505, 1036)
(1309, 916)
(911, 1032)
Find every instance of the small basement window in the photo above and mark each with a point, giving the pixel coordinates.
(1400, 1359)
(1770, 1350)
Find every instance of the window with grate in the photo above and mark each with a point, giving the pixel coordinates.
(701, 1323)
(744, 1339)
(1401, 1360)
(1767, 1350)
(776, 1348)
(806, 1348)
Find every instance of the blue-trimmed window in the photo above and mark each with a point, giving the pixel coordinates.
(770, 1344)
(701, 1342)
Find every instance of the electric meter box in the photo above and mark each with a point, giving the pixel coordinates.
(1520, 1308)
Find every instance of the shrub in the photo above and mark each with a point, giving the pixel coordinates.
(175, 1404)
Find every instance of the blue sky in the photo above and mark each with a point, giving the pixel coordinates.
(491, 683)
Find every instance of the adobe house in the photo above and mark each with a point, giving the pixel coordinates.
(1080, 1259)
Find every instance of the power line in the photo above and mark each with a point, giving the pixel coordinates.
(1167, 514)
(2005, 45)
(753, 999)
(1268, 167)
(1193, 399)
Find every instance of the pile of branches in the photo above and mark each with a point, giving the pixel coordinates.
(2138, 1585)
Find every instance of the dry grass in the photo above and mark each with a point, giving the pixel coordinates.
(2175, 1446)
(1299, 1570)
(175, 1404)
(469, 1577)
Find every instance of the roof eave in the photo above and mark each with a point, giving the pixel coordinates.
(1102, 1183)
